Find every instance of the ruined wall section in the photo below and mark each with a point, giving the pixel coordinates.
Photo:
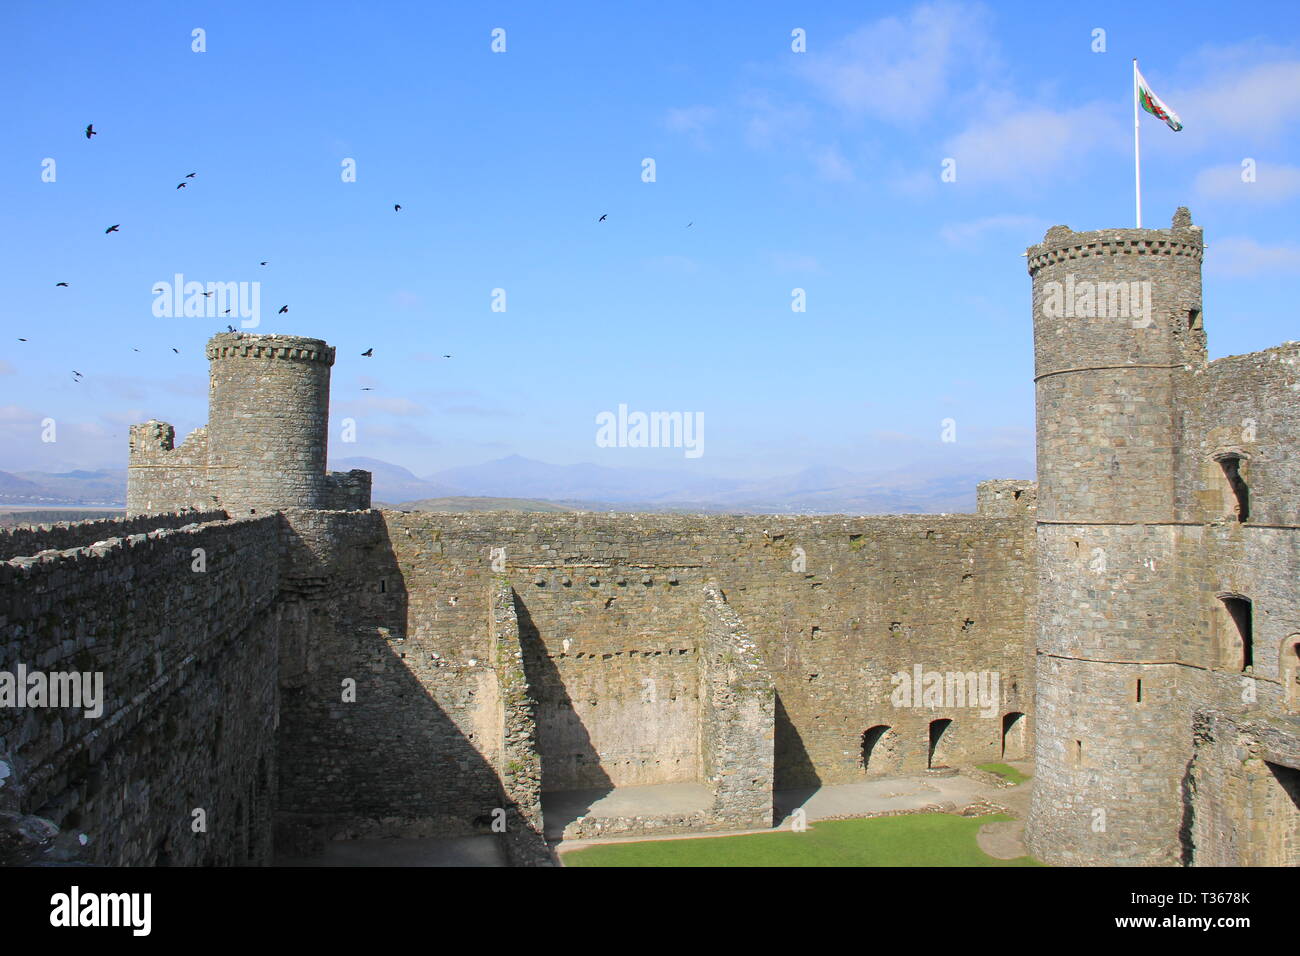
(187, 653)
(520, 764)
(161, 477)
(1243, 791)
(737, 719)
(348, 490)
(383, 733)
(31, 539)
(838, 607)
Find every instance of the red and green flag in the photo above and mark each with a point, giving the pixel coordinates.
(1154, 104)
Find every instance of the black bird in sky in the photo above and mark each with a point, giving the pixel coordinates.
(22, 340)
(365, 388)
(177, 351)
(367, 353)
(60, 285)
(227, 312)
(602, 218)
(283, 310)
(263, 263)
(182, 185)
(90, 131)
(691, 223)
(190, 175)
(206, 294)
(396, 208)
(229, 328)
(76, 373)
(111, 229)
(446, 356)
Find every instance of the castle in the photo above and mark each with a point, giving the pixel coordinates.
(293, 667)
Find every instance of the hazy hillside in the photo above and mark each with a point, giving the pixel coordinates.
(521, 484)
(465, 503)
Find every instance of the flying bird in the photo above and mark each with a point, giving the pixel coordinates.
(182, 185)
(190, 175)
(227, 312)
(263, 263)
(90, 131)
(396, 208)
(691, 223)
(111, 229)
(367, 389)
(76, 373)
(22, 340)
(367, 353)
(60, 285)
(177, 351)
(206, 294)
(602, 218)
(283, 310)
(230, 328)
(446, 356)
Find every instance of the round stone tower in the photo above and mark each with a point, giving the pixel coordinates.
(268, 421)
(1117, 327)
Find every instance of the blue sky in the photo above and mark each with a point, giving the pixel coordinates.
(818, 170)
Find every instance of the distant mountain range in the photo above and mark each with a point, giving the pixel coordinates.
(104, 488)
(523, 484)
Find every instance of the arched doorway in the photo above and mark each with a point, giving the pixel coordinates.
(1289, 670)
(880, 750)
(1013, 736)
(941, 739)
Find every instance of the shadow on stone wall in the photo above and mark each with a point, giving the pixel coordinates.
(794, 769)
(554, 705)
(394, 762)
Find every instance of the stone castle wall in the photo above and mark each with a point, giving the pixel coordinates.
(1143, 532)
(187, 655)
(31, 539)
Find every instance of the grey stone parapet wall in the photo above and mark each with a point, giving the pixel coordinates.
(188, 664)
(1005, 498)
(32, 539)
(1241, 812)
(162, 477)
(349, 490)
(268, 419)
(519, 761)
(737, 719)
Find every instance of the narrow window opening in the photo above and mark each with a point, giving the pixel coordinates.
(1240, 643)
(383, 586)
(1078, 753)
(1194, 319)
(1240, 502)
(879, 749)
(937, 752)
(1139, 690)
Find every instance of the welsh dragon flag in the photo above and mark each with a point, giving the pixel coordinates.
(1154, 104)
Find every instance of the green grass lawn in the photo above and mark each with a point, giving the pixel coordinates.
(1004, 771)
(923, 839)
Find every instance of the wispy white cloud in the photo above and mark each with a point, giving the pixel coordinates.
(378, 405)
(901, 68)
(1035, 144)
(973, 231)
(793, 262)
(690, 119)
(1242, 257)
(1271, 183)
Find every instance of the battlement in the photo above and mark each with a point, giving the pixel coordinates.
(292, 347)
(1062, 243)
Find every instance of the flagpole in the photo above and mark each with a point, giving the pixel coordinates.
(1137, 153)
